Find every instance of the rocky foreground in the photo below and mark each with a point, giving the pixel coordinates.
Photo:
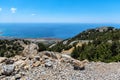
(55, 66)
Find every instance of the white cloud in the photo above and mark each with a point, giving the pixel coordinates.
(13, 10)
(0, 9)
(33, 14)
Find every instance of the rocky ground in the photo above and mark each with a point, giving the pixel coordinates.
(55, 66)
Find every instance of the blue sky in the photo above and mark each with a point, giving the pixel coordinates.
(60, 11)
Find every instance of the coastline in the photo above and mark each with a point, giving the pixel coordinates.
(41, 40)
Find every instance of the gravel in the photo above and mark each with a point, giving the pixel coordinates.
(65, 71)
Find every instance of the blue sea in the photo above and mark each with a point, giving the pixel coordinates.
(46, 30)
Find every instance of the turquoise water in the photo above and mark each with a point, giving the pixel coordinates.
(46, 30)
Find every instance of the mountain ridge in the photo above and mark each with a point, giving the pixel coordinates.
(101, 41)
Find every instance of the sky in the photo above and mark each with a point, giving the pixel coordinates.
(59, 11)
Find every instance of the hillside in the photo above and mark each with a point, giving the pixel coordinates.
(99, 44)
(22, 59)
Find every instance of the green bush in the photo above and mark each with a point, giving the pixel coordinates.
(105, 52)
(9, 48)
(42, 47)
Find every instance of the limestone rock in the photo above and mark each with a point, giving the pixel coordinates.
(8, 69)
(48, 63)
(30, 49)
(66, 56)
(49, 54)
(16, 58)
(20, 63)
(17, 76)
(79, 65)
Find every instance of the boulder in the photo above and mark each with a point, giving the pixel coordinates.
(48, 63)
(79, 65)
(30, 49)
(50, 54)
(66, 56)
(17, 76)
(76, 67)
(8, 69)
(16, 58)
(20, 63)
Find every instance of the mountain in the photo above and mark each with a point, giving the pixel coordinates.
(22, 59)
(107, 33)
(99, 44)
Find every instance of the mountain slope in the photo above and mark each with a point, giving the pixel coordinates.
(99, 44)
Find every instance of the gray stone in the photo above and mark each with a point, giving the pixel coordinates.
(8, 69)
(48, 63)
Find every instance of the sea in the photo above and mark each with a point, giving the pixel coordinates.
(47, 30)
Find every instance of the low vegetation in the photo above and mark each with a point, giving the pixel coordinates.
(105, 45)
(42, 47)
(100, 51)
(9, 48)
(60, 46)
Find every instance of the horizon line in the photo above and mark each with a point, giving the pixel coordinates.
(60, 22)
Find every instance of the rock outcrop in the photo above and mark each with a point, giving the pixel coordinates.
(48, 65)
(30, 50)
(15, 66)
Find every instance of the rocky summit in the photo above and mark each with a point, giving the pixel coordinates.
(48, 65)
